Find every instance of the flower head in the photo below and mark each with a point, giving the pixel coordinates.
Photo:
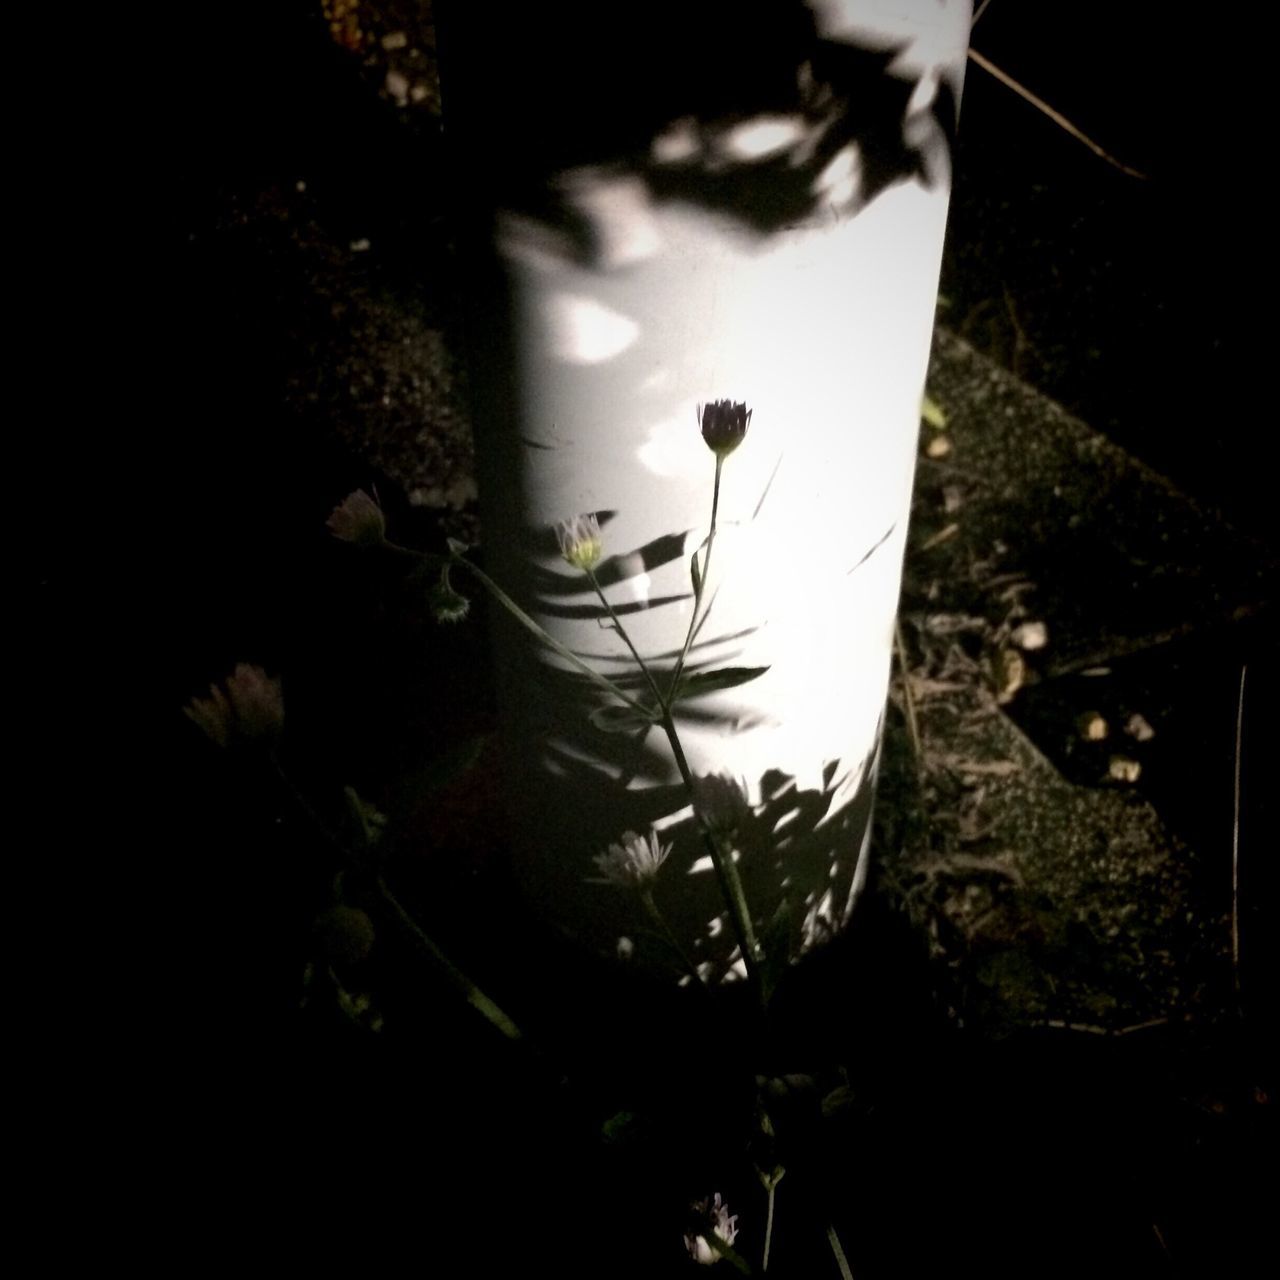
(249, 707)
(580, 541)
(446, 604)
(712, 1217)
(633, 863)
(721, 803)
(724, 425)
(358, 519)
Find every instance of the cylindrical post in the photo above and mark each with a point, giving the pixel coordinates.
(701, 203)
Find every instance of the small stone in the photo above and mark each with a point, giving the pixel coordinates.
(1138, 727)
(938, 447)
(1123, 769)
(1031, 636)
(951, 498)
(300, 186)
(396, 40)
(1010, 671)
(1092, 726)
(363, 245)
(398, 86)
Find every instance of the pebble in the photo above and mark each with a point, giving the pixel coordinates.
(396, 40)
(938, 447)
(1138, 727)
(1123, 769)
(1031, 636)
(1092, 726)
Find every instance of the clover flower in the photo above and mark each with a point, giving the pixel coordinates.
(721, 803)
(580, 541)
(446, 604)
(249, 707)
(715, 1219)
(633, 863)
(724, 425)
(359, 520)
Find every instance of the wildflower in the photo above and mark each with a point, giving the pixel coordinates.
(724, 425)
(251, 707)
(359, 520)
(446, 604)
(715, 1219)
(580, 541)
(632, 864)
(721, 803)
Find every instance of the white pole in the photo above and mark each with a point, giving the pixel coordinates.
(763, 226)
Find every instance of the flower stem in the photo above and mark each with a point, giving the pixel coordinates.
(459, 980)
(768, 1226)
(700, 586)
(841, 1261)
(550, 641)
(664, 929)
(726, 871)
(621, 630)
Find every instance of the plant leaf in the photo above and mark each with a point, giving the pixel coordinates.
(703, 682)
(616, 717)
(695, 573)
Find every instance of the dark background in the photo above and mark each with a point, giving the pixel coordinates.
(1134, 303)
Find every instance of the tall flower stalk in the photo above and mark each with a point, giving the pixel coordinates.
(724, 427)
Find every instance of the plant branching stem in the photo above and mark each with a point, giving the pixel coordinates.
(701, 585)
(726, 871)
(549, 640)
(459, 980)
(664, 929)
(660, 701)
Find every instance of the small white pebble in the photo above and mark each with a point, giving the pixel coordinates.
(361, 246)
(938, 447)
(398, 86)
(418, 93)
(1123, 769)
(1092, 726)
(1138, 727)
(1031, 635)
(396, 40)
(299, 185)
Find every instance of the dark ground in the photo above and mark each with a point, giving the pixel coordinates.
(1031, 1154)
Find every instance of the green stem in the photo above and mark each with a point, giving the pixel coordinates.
(701, 584)
(459, 980)
(621, 630)
(664, 930)
(726, 871)
(841, 1261)
(768, 1227)
(550, 641)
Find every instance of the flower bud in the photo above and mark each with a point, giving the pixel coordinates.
(249, 707)
(724, 425)
(580, 541)
(359, 520)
